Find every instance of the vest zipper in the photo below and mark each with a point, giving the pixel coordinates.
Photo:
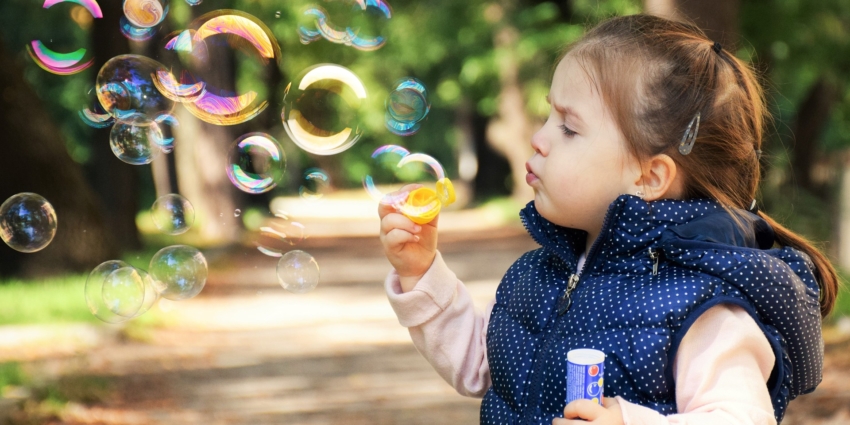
(654, 255)
(534, 378)
(564, 301)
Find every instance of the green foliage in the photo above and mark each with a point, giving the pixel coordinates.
(11, 374)
(54, 300)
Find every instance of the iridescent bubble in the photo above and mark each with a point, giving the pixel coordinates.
(135, 142)
(194, 2)
(135, 33)
(352, 35)
(125, 88)
(27, 222)
(321, 110)
(298, 272)
(237, 212)
(407, 106)
(179, 272)
(314, 184)
(90, 5)
(384, 179)
(241, 31)
(119, 294)
(58, 63)
(123, 291)
(278, 234)
(172, 214)
(166, 144)
(94, 115)
(145, 13)
(255, 163)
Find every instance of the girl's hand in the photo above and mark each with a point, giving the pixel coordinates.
(410, 247)
(584, 411)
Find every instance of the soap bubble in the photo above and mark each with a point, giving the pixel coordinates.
(237, 212)
(194, 2)
(96, 295)
(354, 33)
(145, 13)
(407, 106)
(125, 88)
(298, 272)
(123, 291)
(135, 142)
(244, 33)
(173, 214)
(384, 176)
(135, 33)
(93, 114)
(27, 222)
(179, 272)
(58, 63)
(278, 234)
(321, 112)
(314, 184)
(255, 163)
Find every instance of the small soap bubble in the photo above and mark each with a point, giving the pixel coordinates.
(133, 32)
(145, 13)
(237, 212)
(315, 184)
(298, 272)
(102, 297)
(277, 14)
(278, 234)
(172, 214)
(179, 272)
(136, 142)
(406, 106)
(27, 222)
(318, 25)
(194, 2)
(385, 174)
(322, 109)
(255, 163)
(123, 291)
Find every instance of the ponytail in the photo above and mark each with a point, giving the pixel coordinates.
(825, 273)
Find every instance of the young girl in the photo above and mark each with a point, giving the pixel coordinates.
(652, 251)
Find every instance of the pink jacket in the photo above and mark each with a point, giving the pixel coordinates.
(719, 380)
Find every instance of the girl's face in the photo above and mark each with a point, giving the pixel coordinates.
(580, 162)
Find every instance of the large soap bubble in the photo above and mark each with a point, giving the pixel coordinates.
(298, 272)
(125, 88)
(179, 272)
(101, 301)
(173, 214)
(321, 112)
(27, 222)
(63, 63)
(191, 62)
(136, 142)
(255, 163)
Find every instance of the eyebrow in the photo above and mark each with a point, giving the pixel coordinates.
(566, 110)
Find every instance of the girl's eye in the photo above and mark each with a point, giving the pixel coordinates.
(567, 131)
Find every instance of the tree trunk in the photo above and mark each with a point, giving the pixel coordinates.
(719, 19)
(35, 159)
(511, 130)
(812, 116)
(116, 183)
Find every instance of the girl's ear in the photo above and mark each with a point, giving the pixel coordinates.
(660, 178)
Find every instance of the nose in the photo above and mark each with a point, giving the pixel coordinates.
(538, 142)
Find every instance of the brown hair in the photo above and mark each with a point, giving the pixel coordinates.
(655, 75)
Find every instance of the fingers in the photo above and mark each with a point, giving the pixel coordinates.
(398, 237)
(398, 221)
(387, 204)
(583, 409)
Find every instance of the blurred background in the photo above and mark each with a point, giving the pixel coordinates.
(246, 351)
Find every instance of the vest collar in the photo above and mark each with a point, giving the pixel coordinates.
(633, 225)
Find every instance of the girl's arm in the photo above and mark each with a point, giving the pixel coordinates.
(445, 327)
(721, 372)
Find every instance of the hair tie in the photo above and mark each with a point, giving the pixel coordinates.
(754, 207)
(716, 47)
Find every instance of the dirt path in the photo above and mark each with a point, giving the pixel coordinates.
(247, 352)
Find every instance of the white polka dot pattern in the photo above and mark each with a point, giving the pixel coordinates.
(638, 317)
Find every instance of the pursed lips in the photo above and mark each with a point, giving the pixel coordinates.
(530, 177)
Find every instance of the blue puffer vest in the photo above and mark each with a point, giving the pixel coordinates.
(653, 270)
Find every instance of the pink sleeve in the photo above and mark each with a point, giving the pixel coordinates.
(445, 327)
(721, 370)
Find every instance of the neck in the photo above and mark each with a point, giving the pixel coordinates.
(591, 238)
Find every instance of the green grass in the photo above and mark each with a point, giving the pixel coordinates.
(11, 374)
(52, 300)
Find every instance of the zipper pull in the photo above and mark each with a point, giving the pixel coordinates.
(565, 300)
(654, 256)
